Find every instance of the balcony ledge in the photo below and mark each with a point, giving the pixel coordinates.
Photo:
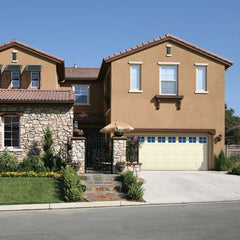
(168, 99)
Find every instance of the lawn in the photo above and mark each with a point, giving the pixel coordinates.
(25, 190)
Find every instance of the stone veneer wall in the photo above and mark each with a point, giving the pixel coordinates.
(33, 123)
(77, 152)
(119, 150)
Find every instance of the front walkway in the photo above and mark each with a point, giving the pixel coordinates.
(190, 186)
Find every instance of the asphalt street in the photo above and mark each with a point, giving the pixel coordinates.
(191, 221)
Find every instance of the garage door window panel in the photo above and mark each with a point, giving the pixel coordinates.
(161, 139)
(141, 139)
(182, 139)
(151, 139)
(172, 139)
(192, 139)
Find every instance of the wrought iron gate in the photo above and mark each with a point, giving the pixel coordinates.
(98, 153)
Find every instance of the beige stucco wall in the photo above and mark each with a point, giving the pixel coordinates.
(198, 111)
(48, 75)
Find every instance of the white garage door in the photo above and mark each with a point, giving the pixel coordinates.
(173, 152)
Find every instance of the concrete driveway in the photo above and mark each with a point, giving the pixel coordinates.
(190, 186)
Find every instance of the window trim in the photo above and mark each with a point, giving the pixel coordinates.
(88, 94)
(3, 131)
(15, 80)
(200, 91)
(14, 61)
(35, 80)
(165, 64)
(136, 90)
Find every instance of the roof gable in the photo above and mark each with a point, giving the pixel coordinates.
(167, 37)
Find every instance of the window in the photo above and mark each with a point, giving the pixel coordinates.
(201, 78)
(161, 139)
(11, 131)
(168, 78)
(202, 139)
(14, 56)
(35, 79)
(135, 77)
(182, 139)
(15, 76)
(82, 95)
(151, 139)
(169, 50)
(192, 139)
(171, 139)
(141, 139)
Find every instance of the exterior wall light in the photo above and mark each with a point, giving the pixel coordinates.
(75, 125)
(220, 137)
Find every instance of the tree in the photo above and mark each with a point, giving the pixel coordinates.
(230, 119)
(47, 147)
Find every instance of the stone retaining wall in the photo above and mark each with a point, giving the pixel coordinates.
(33, 122)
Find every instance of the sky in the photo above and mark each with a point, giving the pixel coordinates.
(84, 32)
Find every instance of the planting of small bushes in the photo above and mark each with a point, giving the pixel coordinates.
(30, 174)
(71, 185)
(131, 186)
(223, 163)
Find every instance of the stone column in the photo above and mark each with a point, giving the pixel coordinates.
(119, 145)
(77, 152)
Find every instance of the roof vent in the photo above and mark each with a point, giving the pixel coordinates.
(75, 65)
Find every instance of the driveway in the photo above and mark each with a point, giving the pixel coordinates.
(190, 186)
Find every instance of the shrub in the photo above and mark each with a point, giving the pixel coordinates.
(223, 163)
(131, 186)
(57, 164)
(71, 184)
(33, 163)
(135, 191)
(8, 162)
(47, 148)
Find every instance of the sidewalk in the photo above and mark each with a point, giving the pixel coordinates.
(51, 206)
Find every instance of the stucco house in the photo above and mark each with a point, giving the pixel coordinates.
(169, 90)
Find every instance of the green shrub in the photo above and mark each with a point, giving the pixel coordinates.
(235, 159)
(57, 164)
(71, 184)
(47, 148)
(223, 163)
(8, 162)
(236, 170)
(135, 191)
(34, 163)
(131, 186)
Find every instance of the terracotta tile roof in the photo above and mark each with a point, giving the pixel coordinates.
(36, 96)
(14, 42)
(167, 37)
(81, 73)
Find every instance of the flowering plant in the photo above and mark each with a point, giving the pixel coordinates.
(121, 163)
(78, 132)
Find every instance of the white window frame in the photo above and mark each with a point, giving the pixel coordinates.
(168, 64)
(14, 61)
(15, 80)
(197, 91)
(88, 94)
(3, 133)
(134, 90)
(35, 80)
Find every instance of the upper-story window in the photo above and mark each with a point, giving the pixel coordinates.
(201, 75)
(135, 76)
(82, 94)
(11, 131)
(14, 56)
(35, 79)
(168, 80)
(15, 78)
(169, 50)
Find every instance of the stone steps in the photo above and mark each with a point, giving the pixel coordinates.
(101, 187)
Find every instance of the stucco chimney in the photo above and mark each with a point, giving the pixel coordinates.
(75, 65)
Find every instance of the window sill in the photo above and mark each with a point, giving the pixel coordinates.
(201, 92)
(135, 91)
(82, 104)
(177, 99)
(10, 149)
(14, 61)
(168, 55)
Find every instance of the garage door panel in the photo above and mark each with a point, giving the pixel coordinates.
(174, 156)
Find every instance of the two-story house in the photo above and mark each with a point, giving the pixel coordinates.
(169, 90)
(30, 99)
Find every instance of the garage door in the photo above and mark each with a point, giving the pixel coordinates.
(173, 152)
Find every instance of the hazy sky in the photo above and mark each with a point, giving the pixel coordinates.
(86, 31)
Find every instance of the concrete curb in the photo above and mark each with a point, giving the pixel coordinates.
(52, 206)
